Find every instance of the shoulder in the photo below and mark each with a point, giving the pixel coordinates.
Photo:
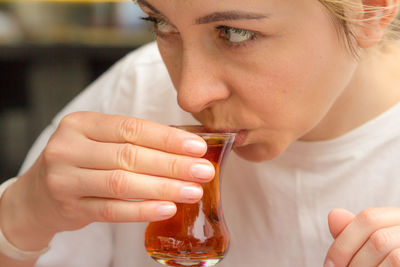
(145, 58)
(144, 63)
(147, 54)
(140, 75)
(139, 70)
(140, 82)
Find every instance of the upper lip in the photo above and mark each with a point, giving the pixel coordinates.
(223, 129)
(229, 130)
(226, 129)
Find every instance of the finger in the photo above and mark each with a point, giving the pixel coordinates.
(338, 219)
(392, 260)
(113, 210)
(358, 231)
(123, 129)
(109, 156)
(378, 246)
(121, 184)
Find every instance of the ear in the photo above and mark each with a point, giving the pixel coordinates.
(374, 17)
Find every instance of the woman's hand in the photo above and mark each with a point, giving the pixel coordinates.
(95, 164)
(372, 238)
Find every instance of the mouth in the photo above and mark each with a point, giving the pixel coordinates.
(241, 134)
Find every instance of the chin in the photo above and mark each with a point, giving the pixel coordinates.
(258, 153)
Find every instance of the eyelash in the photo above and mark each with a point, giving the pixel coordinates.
(221, 30)
(155, 21)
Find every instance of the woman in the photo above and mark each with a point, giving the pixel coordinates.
(312, 91)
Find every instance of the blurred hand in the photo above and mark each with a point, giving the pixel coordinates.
(372, 238)
(95, 164)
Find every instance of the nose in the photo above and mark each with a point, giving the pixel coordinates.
(201, 82)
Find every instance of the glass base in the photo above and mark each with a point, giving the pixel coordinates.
(181, 262)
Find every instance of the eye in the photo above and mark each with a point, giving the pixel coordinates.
(235, 35)
(161, 27)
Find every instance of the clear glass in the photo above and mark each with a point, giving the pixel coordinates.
(197, 235)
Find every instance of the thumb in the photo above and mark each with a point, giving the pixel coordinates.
(338, 219)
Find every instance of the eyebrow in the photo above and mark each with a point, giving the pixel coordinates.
(216, 16)
(229, 15)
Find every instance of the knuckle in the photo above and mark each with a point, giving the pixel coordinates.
(173, 167)
(164, 190)
(140, 214)
(117, 183)
(127, 156)
(60, 147)
(168, 139)
(381, 240)
(53, 151)
(71, 119)
(130, 129)
(54, 184)
(369, 216)
(108, 212)
(394, 257)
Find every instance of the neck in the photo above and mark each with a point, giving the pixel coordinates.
(374, 88)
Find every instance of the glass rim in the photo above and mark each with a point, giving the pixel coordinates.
(203, 131)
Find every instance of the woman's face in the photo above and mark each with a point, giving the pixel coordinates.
(270, 69)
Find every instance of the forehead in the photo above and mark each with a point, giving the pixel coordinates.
(186, 7)
(284, 16)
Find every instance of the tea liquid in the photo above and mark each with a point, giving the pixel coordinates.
(197, 234)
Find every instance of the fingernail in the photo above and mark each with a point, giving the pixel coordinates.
(329, 263)
(202, 171)
(191, 192)
(194, 147)
(166, 210)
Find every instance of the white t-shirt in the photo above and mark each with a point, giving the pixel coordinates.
(276, 211)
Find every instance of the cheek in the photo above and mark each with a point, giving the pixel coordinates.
(293, 86)
(292, 91)
(172, 58)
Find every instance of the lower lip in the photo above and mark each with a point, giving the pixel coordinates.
(240, 138)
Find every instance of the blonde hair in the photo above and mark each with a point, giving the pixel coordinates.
(341, 9)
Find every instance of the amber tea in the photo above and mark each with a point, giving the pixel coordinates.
(197, 235)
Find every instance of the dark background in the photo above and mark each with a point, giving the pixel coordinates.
(46, 60)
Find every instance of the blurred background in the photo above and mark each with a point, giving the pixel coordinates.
(49, 52)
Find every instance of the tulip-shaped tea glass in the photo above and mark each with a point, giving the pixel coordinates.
(197, 235)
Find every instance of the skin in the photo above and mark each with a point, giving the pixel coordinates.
(294, 81)
(265, 85)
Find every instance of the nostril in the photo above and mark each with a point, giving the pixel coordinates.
(196, 99)
(190, 104)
